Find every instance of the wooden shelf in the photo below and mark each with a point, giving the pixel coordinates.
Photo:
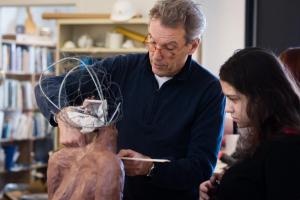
(26, 110)
(37, 3)
(38, 166)
(96, 50)
(101, 21)
(48, 44)
(21, 169)
(97, 30)
(20, 75)
(3, 141)
(20, 117)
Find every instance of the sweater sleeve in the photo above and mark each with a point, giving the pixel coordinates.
(205, 138)
(46, 92)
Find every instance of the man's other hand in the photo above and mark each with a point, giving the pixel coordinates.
(133, 167)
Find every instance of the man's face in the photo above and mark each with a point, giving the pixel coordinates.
(168, 50)
(236, 105)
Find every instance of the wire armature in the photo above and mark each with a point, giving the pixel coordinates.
(84, 95)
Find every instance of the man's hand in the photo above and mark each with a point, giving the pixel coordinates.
(132, 167)
(69, 136)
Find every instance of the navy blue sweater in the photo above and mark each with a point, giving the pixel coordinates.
(181, 121)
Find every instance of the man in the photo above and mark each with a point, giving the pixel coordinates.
(172, 108)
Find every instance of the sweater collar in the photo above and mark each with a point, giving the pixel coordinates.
(181, 75)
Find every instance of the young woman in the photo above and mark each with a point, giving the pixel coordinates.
(261, 97)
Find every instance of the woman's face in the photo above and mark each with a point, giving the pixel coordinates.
(236, 104)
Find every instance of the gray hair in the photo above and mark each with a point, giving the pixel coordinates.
(186, 13)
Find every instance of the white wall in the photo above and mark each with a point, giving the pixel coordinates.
(105, 6)
(12, 16)
(225, 31)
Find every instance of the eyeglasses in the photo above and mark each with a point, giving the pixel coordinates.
(167, 49)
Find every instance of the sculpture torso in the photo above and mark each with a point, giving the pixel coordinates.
(90, 172)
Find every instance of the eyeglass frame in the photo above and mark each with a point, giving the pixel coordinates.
(169, 52)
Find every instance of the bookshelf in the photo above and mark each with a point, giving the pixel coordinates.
(23, 129)
(97, 29)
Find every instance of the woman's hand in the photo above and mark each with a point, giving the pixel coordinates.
(208, 188)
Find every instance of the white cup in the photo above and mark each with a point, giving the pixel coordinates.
(113, 40)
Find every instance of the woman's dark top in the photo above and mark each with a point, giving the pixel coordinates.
(273, 172)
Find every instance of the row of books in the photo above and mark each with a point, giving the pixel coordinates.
(17, 95)
(18, 126)
(26, 59)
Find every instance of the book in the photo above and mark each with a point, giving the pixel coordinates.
(1, 123)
